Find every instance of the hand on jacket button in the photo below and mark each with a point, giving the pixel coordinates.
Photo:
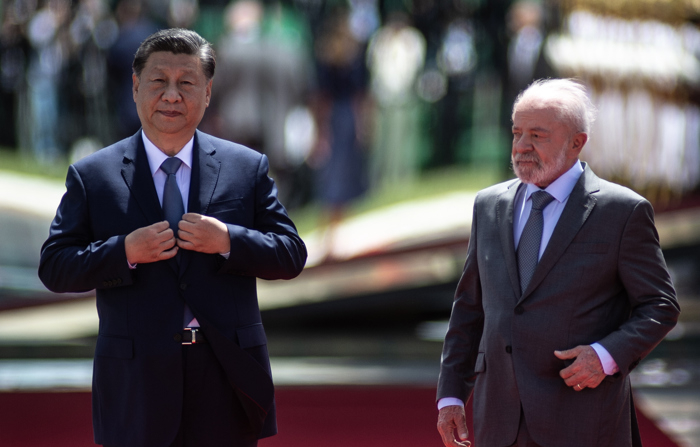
(204, 234)
(150, 244)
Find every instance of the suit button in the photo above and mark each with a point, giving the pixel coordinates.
(177, 337)
(183, 286)
(509, 349)
(519, 310)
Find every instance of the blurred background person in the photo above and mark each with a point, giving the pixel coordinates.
(14, 55)
(342, 111)
(526, 58)
(134, 27)
(263, 74)
(47, 32)
(395, 58)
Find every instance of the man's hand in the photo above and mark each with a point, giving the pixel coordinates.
(585, 372)
(204, 234)
(450, 418)
(150, 244)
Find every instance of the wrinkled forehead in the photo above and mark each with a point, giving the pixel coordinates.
(542, 109)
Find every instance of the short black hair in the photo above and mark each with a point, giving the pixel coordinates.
(177, 41)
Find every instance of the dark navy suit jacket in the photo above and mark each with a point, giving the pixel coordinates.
(138, 381)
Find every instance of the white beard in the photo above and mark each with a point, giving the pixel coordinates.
(540, 173)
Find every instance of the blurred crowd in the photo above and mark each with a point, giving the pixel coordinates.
(344, 96)
(354, 94)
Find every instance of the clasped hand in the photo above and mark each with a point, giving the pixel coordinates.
(157, 242)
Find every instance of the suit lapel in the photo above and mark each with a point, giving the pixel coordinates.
(504, 213)
(137, 175)
(579, 206)
(205, 175)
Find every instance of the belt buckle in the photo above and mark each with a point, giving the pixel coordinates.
(194, 331)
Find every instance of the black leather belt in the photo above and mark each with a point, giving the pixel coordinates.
(193, 336)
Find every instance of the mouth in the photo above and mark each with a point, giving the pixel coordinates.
(170, 113)
(526, 161)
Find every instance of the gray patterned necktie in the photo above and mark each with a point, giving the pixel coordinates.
(530, 240)
(173, 209)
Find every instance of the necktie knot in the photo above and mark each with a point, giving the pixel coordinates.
(171, 165)
(540, 200)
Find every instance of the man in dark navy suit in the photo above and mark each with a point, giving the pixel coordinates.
(181, 357)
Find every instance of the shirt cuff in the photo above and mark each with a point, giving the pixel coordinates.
(609, 365)
(447, 401)
(225, 255)
(131, 266)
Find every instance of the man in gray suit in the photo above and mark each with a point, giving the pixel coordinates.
(563, 293)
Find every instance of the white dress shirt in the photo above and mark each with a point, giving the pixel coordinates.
(560, 189)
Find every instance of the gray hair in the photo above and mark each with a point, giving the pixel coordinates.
(177, 41)
(568, 96)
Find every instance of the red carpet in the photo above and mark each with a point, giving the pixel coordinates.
(308, 417)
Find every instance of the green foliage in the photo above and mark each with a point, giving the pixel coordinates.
(15, 161)
(432, 183)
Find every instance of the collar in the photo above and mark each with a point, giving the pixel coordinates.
(560, 188)
(156, 157)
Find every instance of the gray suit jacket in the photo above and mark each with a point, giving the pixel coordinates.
(602, 278)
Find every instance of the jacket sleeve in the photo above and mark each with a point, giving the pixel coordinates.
(272, 249)
(649, 289)
(71, 260)
(466, 325)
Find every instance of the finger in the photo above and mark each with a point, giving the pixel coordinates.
(167, 254)
(191, 217)
(167, 243)
(165, 233)
(568, 372)
(185, 244)
(183, 235)
(568, 354)
(160, 226)
(190, 227)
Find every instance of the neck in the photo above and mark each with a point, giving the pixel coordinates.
(170, 145)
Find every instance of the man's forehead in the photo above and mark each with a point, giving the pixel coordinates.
(537, 112)
(162, 60)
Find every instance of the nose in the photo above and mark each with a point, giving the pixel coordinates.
(171, 93)
(522, 143)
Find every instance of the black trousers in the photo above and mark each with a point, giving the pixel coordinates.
(212, 415)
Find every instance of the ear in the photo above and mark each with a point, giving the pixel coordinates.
(208, 91)
(135, 87)
(577, 142)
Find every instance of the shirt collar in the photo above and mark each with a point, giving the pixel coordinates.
(560, 188)
(156, 157)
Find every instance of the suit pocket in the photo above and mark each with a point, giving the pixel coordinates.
(251, 336)
(588, 248)
(224, 206)
(121, 348)
(480, 365)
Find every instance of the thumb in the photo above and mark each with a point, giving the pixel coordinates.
(568, 354)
